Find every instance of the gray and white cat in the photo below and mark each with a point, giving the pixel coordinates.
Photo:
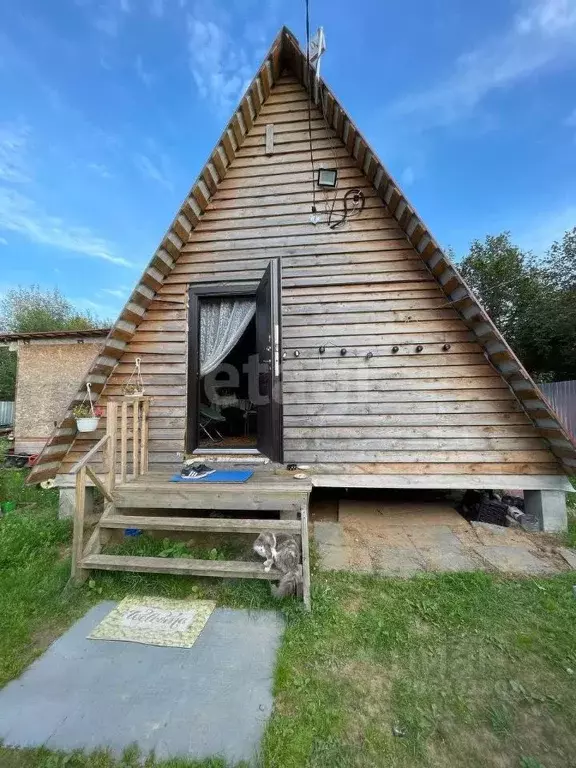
(283, 553)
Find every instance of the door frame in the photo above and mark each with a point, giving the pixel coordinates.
(195, 293)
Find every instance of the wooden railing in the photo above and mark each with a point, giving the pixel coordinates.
(133, 411)
(133, 450)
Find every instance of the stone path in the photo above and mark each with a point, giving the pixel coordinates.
(402, 539)
(190, 703)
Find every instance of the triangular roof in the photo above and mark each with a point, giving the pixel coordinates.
(286, 53)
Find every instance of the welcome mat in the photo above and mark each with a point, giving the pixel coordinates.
(155, 621)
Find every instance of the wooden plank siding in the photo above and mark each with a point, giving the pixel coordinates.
(362, 287)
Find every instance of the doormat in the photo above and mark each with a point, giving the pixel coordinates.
(220, 476)
(155, 621)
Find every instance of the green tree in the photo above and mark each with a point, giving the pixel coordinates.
(561, 261)
(7, 374)
(531, 301)
(32, 309)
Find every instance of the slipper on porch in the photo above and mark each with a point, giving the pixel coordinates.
(220, 476)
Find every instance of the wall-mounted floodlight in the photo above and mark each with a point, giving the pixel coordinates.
(327, 177)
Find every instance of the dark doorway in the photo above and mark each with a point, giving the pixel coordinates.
(234, 384)
(227, 415)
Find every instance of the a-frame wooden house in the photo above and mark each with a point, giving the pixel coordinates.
(385, 369)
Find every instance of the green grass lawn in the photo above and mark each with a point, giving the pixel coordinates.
(454, 670)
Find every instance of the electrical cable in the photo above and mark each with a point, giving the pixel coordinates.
(353, 202)
(307, 2)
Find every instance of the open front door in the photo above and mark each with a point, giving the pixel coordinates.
(268, 347)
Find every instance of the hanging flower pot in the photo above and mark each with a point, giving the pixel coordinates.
(132, 390)
(87, 417)
(134, 387)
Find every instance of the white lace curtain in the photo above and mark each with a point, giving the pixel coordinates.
(222, 323)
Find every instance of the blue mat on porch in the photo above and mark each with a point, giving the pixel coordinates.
(220, 476)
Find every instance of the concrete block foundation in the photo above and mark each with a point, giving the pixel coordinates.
(67, 502)
(549, 508)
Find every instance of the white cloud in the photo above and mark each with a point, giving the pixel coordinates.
(13, 146)
(551, 227)
(549, 17)
(220, 66)
(146, 77)
(157, 170)
(157, 8)
(571, 119)
(100, 170)
(109, 15)
(104, 312)
(3, 241)
(118, 293)
(408, 176)
(25, 216)
(541, 37)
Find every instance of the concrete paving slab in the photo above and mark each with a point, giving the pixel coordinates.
(390, 537)
(450, 560)
(329, 533)
(403, 513)
(515, 560)
(358, 559)
(212, 699)
(434, 537)
(568, 555)
(333, 558)
(497, 536)
(399, 562)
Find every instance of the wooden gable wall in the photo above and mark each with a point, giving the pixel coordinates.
(361, 287)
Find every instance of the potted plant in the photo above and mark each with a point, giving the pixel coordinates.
(86, 417)
(132, 390)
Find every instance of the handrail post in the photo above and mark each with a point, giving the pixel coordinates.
(124, 442)
(135, 438)
(111, 430)
(78, 535)
(144, 437)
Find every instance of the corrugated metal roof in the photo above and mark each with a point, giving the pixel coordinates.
(6, 413)
(562, 397)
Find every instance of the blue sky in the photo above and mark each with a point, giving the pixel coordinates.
(109, 108)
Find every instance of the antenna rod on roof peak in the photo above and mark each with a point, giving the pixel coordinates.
(317, 48)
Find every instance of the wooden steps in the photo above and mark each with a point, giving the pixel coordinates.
(248, 499)
(265, 491)
(153, 502)
(198, 524)
(182, 566)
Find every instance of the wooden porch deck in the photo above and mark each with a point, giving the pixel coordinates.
(272, 492)
(270, 489)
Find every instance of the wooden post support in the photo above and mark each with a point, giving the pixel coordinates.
(78, 535)
(305, 556)
(144, 437)
(135, 439)
(111, 430)
(124, 443)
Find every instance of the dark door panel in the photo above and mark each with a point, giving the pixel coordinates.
(268, 344)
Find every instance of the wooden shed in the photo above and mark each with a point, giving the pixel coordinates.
(375, 364)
